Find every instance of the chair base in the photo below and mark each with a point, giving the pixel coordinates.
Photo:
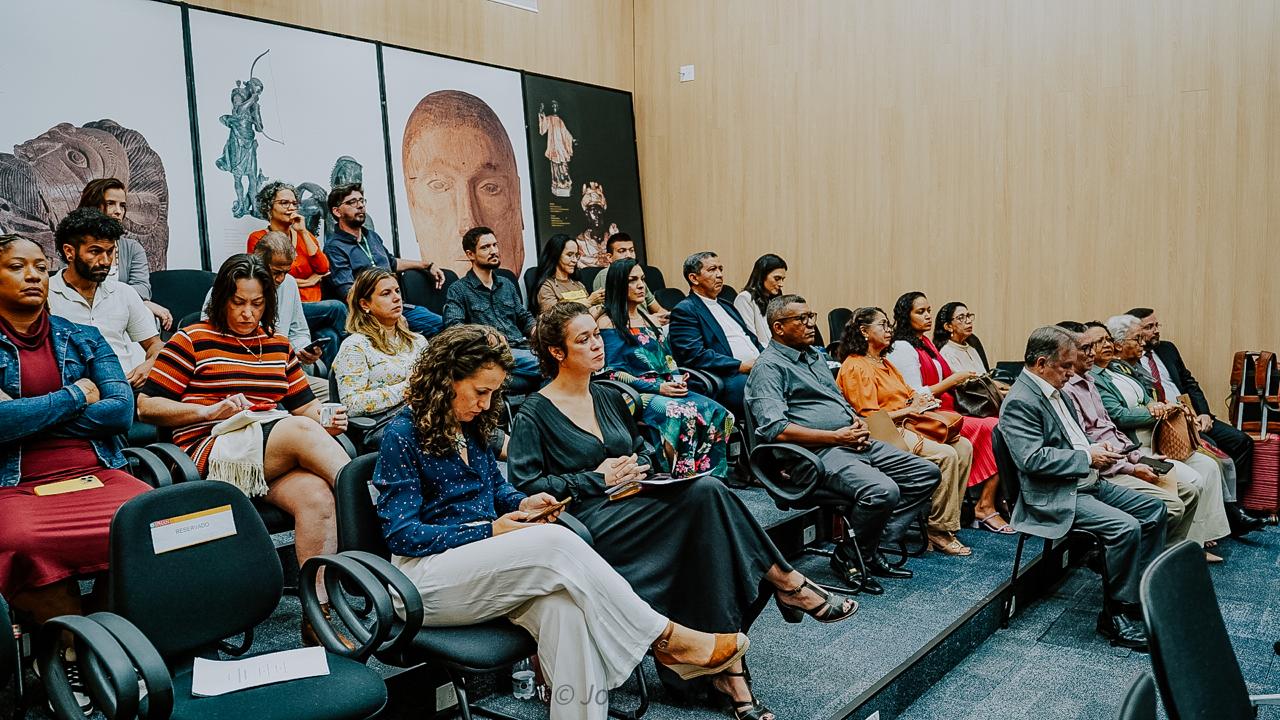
(468, 710)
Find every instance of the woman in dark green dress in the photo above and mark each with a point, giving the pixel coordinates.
(694, 428)
(691, 549)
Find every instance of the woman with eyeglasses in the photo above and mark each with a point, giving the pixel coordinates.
(278, 203)
(557, 278)
(870, 382)
(954, 338)
(925, 369)
(694, 428)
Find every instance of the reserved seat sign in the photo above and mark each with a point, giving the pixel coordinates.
(194, 528)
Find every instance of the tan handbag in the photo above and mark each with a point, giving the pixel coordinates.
(1176, 436)
(937, 425)
(882, 428)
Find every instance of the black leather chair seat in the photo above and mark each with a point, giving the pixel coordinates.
(472, 648)
(350, 689)
(276, 520)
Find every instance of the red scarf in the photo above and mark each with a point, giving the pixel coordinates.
(929, 372)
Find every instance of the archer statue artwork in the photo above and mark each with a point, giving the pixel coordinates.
(240, 153)
(559, 148)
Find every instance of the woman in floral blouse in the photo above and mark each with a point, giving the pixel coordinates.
(694, 429)
(374, 363)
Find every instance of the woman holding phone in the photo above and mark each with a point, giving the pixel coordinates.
(694, 428)
(478, 549)
(235, 361)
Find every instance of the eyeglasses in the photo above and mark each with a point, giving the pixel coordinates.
(287, 204)
(1090, 347)
(882, 323)
(354, 202)
(809, 318)
(965, 317)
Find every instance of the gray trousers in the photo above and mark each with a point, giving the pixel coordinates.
(888, 489)
(1131, 527)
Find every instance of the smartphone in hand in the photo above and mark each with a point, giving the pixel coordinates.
(545, 512)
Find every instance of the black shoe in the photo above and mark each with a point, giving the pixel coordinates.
(853, 578)
(881, 568)
(833, 609)
(1122, 631)
(1241, 524)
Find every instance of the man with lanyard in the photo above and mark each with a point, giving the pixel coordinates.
(353, 248)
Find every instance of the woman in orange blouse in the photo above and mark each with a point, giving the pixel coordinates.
(870, 383)
(278, 203)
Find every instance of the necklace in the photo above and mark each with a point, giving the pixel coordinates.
(460, 443)
(256, 356)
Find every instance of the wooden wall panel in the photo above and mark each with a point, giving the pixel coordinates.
(586, 41)
(1037, 159)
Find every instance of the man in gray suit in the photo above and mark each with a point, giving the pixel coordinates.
(1061, 488)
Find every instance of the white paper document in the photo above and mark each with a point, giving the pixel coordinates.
(219, 677)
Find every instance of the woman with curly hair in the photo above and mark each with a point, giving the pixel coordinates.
(478, 549)
(694, 428)
(690, 549)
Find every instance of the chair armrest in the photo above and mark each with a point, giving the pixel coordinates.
(348, 446)
(1265, 699)
(180, 464)
(343, 577)
(630, 394)
(105, 666)
(147, 467)
(576, 526)
(713, 384)
(361, 423)
(407, 624)
(146, 662)
(765, 455)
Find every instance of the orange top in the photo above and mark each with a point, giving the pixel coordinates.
(304, 266)
(869, 387)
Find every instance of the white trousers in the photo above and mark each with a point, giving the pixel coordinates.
(1210, 519)
(591, 627)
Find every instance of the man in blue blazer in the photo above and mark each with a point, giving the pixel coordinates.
(1061, 488)
(709, 334)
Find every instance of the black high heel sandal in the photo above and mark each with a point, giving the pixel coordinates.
(751, 709)
(827, 612)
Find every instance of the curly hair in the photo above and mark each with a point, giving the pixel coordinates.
(852, 341)
(902, 329)
(267, 196)
(455, 354)
(550, 333)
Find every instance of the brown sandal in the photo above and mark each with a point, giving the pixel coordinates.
(948, 544)
(729, 649)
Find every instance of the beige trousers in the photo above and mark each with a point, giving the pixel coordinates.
(1210, 519)
(591, 627)
(1180, 501)
(954, 461)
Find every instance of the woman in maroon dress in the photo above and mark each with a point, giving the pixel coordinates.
(64, 407)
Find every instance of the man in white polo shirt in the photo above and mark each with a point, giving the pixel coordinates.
(82, 292)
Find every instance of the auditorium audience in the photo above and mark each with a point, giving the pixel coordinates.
(1129, 403)
(870, 383)
(476, 550)
(924, 369)
(556, 277)
(620, 246)
(1172, 378)
(1181, 497)
(278, 203)
(84, 293)
(235, 361)
(375, 360)
(792, 398)
(353, 247)
(66, 407)
(131, 266)
(768, 276)
(707, 333)
(1061, 487)
(694, 428)
(692, 550)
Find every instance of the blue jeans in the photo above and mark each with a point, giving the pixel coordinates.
(527, 375)
(326, 319)
(423, 321)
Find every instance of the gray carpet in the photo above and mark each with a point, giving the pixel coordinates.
(1051, 664)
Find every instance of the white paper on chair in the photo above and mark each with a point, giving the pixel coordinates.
(219, 677)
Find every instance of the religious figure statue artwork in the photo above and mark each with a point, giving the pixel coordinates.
(559, 148)
(591, 241)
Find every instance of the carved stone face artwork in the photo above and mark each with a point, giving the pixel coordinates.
(460, 172)
(41, 182)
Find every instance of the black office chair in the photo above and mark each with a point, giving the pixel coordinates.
(11, 660)
(530, 275)
(588, 275)
(728, 293)
(181, 291)
(836, 320)
(668, 298)
(1140, 701)
(1195, 666)
(460, 650)
(359, 429)
(417, 287)
(653, 279)
(774, 467)
(509, 275)
(169, 607)
(1007, 371)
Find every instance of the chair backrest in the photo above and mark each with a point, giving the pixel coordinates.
(333, 386)
(192, 597)
(1010, 485)
(653, 279)
(417, 287)
(1140, 702)
(510, 275)
(530, 275)
(1195, 666)
(359, 527)
(8, 645)
(668, 297)
(1008, 370)
(836, 320)
(588, 275)
(181, 291)
(728, 293)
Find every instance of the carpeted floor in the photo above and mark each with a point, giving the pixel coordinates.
(1051, 664)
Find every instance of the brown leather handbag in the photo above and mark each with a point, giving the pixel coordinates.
(1176, 436)
(937, 425)
(978, 396)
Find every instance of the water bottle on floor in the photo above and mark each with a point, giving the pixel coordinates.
(522, 680)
